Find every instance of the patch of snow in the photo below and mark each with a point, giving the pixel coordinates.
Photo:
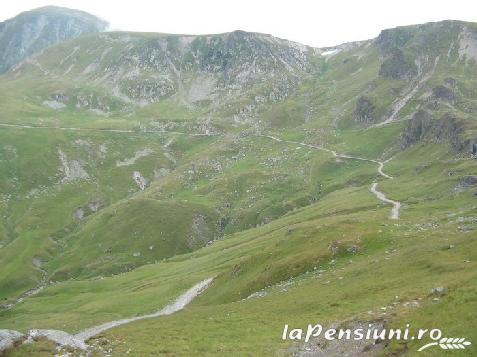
(330, 52)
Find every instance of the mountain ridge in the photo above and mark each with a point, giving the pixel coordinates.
(314, 185)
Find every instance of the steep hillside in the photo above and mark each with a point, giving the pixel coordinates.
(337, 185)
(37, 29)
(232, 75)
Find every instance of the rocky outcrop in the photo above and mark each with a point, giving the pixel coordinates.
(390, 39)
(34, 30)
(91, 207)
(422, 127)
(60, 338)
(468, 44)
(8, 339)
(200, 232)
(71, 170)
(468, 181)
(444, 93)
(365, 110)
(78, 342)
(408, 50)
(398, 66)
(196, 70)
(140, 180)
(416, 128)
(148, 89)
(137, 155)
(84, 99)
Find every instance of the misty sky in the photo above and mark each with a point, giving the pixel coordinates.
(312, 22)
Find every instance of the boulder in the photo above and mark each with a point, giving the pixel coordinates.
(8, 339)
(439, 290)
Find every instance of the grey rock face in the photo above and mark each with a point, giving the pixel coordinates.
(390, 39)
(416, 128)
(34, 30)
(443, 93)
(8, 338)
(398, 66)
(71, 170)
(406, 49)
(203, 68)
(423, 128)
(365, 111)
(395, 65)
(468, 181)
(61, 338)
(132, 69)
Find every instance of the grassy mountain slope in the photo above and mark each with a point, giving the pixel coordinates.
(135, 165)
(406, 260)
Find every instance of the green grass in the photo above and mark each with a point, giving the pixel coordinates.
(292, 222)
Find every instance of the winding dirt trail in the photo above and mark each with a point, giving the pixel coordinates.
(379, 195)
(177, 305)
(78, 341)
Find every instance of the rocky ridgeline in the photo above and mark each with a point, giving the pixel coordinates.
(412, 58)
(139, 69)
(201, 66)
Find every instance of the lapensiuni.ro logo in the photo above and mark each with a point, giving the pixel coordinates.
(372, 332)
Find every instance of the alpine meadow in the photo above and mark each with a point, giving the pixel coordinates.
(190, 195)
